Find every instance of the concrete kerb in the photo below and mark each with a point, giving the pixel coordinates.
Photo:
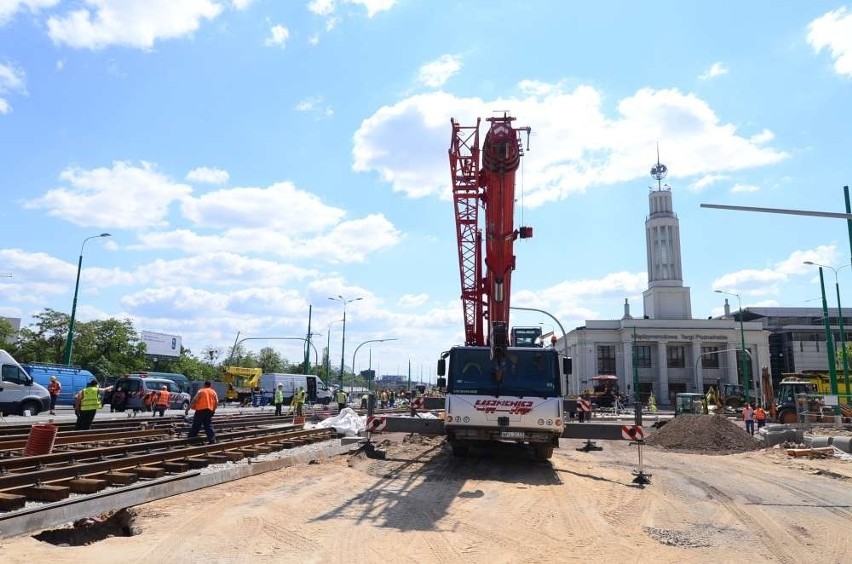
(27, 521)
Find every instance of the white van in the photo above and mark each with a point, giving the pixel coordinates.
(18, 392)
(316, 389)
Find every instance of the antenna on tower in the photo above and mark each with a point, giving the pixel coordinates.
(659, 170)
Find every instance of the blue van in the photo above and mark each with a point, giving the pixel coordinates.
(72, 379)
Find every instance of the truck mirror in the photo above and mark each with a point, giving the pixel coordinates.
(567, 365)
(442, 383)
(442, 367)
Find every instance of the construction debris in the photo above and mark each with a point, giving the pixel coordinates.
(817, 452)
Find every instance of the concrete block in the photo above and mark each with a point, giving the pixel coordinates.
(821, 441)
(843, 443)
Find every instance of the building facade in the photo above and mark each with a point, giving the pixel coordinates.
(665, 350)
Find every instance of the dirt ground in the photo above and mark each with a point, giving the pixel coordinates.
(497, 505)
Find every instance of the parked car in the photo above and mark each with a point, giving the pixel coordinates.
(130, 391)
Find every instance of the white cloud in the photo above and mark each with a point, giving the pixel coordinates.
(437, 72)
(12, 80)
(208, 175)
(314, 39)
(296, 211)
(8, 8)
(406, 143)
(833, 31)
(124, 196)
(241, 4)
(705, 181)
(744, 188)
(716, 69)
(321, 7)
(314, 105)
(278, 36)
(374, 6)
(60, 64)
(132, 24)
(412, 300)
(762, 137)
(765, 282)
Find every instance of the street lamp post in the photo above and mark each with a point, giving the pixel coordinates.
(69, 342)
(743, 363)
(344, 301)
(361, 345)
(328, 350)
(829, 345)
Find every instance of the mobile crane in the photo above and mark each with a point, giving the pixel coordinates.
(494, 391)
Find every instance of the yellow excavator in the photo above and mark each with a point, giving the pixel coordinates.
(240, 381)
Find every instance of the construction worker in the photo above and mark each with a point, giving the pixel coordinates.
(760, 417)
(87, 403)
(278, 398)
(748, 417)
(204, 403)
(161, 402)
(298, 401)
(341, 399)
(53, 389)
(652, 404)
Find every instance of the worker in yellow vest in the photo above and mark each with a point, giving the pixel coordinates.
(278, 398)
(341, 399)
(87, 403)
(298, 401)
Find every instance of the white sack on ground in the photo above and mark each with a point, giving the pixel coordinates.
(347, 422)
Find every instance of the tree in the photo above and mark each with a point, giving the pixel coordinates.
(44, 341)
(7, 334)
(270, 360)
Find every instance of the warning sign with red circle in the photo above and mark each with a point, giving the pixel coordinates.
(632, 432)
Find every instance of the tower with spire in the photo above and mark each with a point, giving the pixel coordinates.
(666, 296)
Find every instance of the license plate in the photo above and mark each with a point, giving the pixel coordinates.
(512, 435)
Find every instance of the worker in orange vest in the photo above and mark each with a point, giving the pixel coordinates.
(204, 403)
(161, 404)
(760, 417)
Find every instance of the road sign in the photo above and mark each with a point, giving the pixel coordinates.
(632, 432)
(376, 424)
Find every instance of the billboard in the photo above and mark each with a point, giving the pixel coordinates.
(161, 344)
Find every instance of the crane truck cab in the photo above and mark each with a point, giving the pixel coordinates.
(518, 399)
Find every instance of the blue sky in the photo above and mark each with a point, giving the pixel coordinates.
(253, 157)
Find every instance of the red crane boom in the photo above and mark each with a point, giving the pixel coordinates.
(486, 299)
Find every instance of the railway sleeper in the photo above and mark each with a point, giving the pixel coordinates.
(47, 492)
(121, 478)
(87, 485)
(174, 467)
(149, 472)
(196, 463)
(11, 502)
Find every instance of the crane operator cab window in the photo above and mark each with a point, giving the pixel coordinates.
(522, 373)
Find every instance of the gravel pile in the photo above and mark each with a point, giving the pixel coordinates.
(705, 434)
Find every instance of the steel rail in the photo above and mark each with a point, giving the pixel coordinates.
(76, 456)
(19, 482)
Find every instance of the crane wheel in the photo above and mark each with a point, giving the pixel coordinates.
(543, 451)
